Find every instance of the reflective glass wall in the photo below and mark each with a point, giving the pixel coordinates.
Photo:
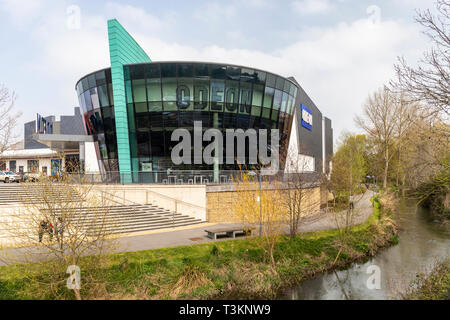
(96, 100)
(162, 97)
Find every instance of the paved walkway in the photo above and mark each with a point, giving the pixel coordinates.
(187, 236)
(363, 209)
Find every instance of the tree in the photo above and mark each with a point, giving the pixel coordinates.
(260, 207)
(430, 82)
(297, 189)
(385, 117)
(62, 223)
(349, 171)
(8, 120)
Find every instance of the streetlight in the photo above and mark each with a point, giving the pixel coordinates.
(253, 173)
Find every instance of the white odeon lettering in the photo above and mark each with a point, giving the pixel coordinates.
(307, 117)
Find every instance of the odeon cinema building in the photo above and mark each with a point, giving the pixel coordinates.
(132, 109)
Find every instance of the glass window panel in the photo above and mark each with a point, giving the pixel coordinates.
(79, 88)
(284, 102)
(99, 121)
(218, 71)
(185, 94)
(140, 107)
(82, 103)
(103, 96)
(266, 113)
(268, 97)
(100, 78)
(277, 99)
(137, 72)
(94, 98)
(154, 106)
(91, 81)
(258, 92)
(156, 120)
(128, 91)
(142, 122)
(275, 115)
(201, 70)
(131, 123)
(217, 95)
(229, 120)
(233, 73)
(260, 77)
(289, 106)
(106, 113)
(201, 94)
(111, 95)
(87, 100)
(256, 111)
(186, 119)
(154, 89)
(168, 70)
(153, 70)
(170, 106)
(245, 96)
(294, 91)
(84, 85)
(248, 75)
(170, 119)
(271, 80)
(139, 91)
(231, 96)
(280, 83)
(169, 87)
(287, 86)
(185, 70)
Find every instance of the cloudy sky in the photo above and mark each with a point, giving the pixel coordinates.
(338, 50)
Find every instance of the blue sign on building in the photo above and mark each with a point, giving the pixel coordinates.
(307, 118)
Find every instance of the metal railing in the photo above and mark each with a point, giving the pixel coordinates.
(171, 177)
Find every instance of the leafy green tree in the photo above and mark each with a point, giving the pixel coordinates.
(349, 165)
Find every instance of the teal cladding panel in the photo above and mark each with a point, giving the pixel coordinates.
(123, 50)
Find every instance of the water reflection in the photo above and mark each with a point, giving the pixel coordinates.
(421, 243)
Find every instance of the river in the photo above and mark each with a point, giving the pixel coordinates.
(421, 243)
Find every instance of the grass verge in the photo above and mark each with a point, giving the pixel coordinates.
(228, 269)
(434, 286)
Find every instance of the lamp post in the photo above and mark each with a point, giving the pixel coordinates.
(253, 173)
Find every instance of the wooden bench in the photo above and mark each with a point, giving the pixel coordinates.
(228, 232)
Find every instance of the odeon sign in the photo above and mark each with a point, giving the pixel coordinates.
(218, 96)
(307, 118)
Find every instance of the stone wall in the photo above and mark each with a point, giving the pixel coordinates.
(219, 207)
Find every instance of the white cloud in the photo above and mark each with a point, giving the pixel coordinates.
(21, 13)
(215, 11)
(305, 7)
(337, 66)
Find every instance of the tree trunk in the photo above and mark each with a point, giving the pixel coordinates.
(386, 167)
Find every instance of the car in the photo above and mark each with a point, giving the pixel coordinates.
(9, 176)
(30, 177)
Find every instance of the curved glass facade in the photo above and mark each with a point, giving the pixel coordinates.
(162, 97)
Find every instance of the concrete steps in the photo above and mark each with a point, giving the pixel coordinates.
(13, 193)
(115, 219)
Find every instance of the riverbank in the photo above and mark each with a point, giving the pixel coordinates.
(226, 269)
(432, 286)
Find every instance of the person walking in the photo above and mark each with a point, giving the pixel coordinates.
(59, 231)
(45, 226)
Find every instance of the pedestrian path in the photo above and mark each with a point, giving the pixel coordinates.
(196, 234)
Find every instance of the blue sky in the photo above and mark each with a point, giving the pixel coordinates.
(338, 50)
